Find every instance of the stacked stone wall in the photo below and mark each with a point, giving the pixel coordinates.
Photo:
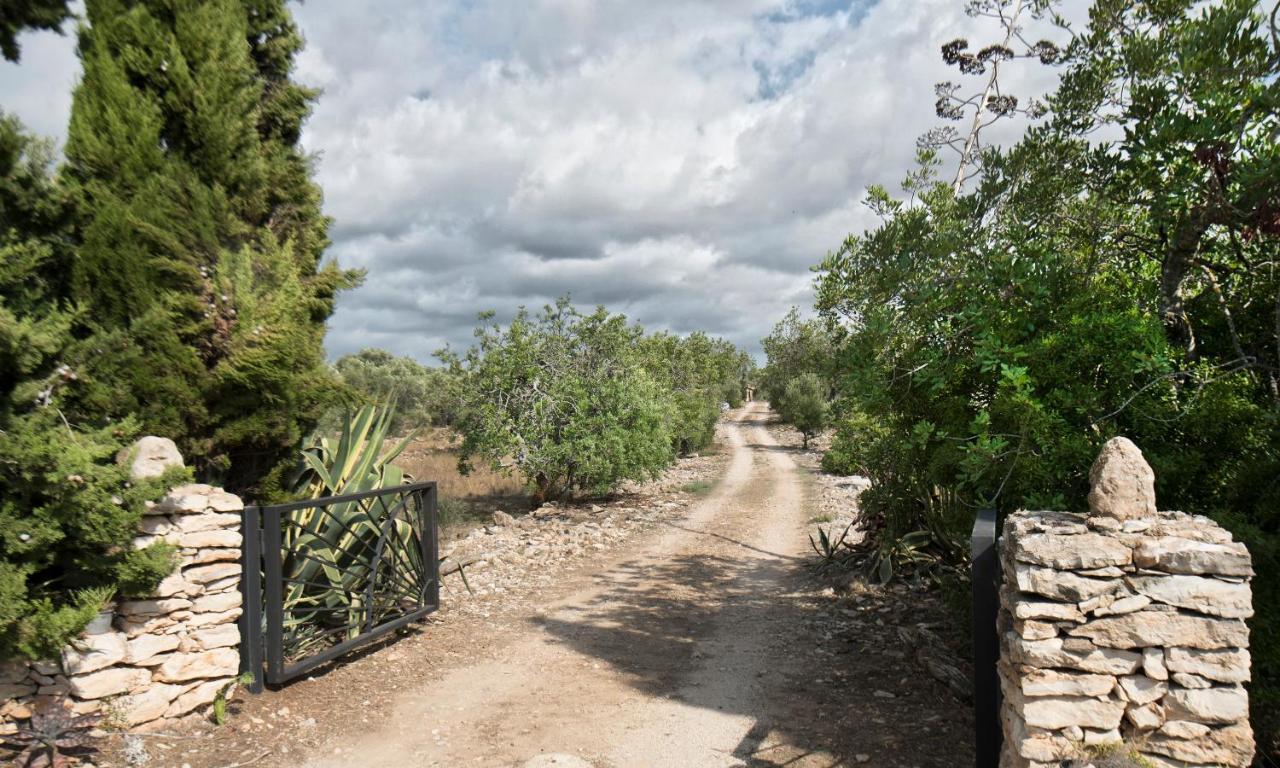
(1125, 626)
(165, 657)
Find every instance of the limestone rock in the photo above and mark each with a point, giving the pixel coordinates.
(1140, 689)
(1153, 665)
(206, 522)
(1197, 593)
(1184, 729)
(1173, 554)
(179, 667)
(1232, 745)
(1122, 485)
(1209, 705)
(1087, 550)
(1056, 712)
(185, 500)
(502, 518)
(1054, 653)
(1035, 630)
(1029, 609)
(1145, 717)
(204, 574)
(1049, 682)
(221, 636)
(161, 607)
(221, 501)
(90, 653)
(1130, 604)
(150, 457)
(223, 601)
(108, 682)
(218, 537)
(1188, 680)
(202, 694)
(144, 647)
(146, 705)
(1224, 666)
(1058, 585)
(1148, 628)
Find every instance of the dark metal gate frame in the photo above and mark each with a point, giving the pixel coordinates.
(985, 585)
(262, 582)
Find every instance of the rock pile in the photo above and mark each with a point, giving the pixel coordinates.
(1124, 628)
(163, 657)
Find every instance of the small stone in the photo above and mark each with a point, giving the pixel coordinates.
(150, 457)
(1122, 485)
(1057, 712)
(1172, 554)
(180, 667)
(1188, 680)
(1211, 705)
(1153, 665)
(1140, 689)
(146, 705)
(144, 647)
(219, 537)
(1058, 585)
(1184, 729)
(1146, 717)
(1049, 682)
(1149, 628)
(223, 601)
(1197, 593)
(1088, 550)
(221, 501)
(204, 574)
(501, 518)
(1124, 605)
(221, 636)
(89, 653)
(1030, 609)
(200, 695)
(1035, 630)
(108, 682)
(1223, 666)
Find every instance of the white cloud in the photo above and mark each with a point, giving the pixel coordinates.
(683, 162)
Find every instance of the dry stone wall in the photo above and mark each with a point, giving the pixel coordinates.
(164, 657)
(1125, 625)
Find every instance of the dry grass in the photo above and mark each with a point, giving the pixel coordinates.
(465, 500)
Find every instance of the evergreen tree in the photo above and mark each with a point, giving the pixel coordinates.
(202, 232)
(18, 15)
(67, 513)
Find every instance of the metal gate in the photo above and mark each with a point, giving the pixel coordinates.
(325, 576)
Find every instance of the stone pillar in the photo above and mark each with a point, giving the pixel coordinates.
(166, 656)
(1124, 625)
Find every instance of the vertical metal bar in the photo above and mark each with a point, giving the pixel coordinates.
(251, 596)
(986, 642)
(271, 558)
(432, 559)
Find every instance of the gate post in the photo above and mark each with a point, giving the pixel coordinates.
(251, 590)
(986, 647)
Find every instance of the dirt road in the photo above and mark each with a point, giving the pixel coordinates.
(673, 657)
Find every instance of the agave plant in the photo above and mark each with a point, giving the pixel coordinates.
(52, 729)
(350, 564)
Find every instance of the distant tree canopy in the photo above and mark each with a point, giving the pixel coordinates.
(579, 402)
(420, 396)
(797, 347)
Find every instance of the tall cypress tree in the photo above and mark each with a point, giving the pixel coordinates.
(202, 235)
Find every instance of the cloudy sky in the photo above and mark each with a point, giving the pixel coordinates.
(684, 162)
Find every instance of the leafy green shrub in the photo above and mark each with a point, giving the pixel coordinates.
(563, 399)
(804, 405)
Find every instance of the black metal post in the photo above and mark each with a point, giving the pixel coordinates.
(251, 597)
(986, 641)
(271, 556)
(433, 543)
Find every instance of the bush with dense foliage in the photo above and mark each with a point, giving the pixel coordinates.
(1115, 272)
(804, 404)
(67, 513)
(578, 402)
(794, 348)
(699, 373)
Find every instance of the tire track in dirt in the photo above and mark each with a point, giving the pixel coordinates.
(674, 656)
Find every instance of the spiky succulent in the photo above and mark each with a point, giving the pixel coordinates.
(52, 730)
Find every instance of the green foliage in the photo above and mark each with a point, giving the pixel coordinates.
(991, 342)
(565, 400)
(68, 513)
(794, 348)
(20, 15)
(419, 396)
(328, 553)
(804, 405)
(201, 232)
(699, 373)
